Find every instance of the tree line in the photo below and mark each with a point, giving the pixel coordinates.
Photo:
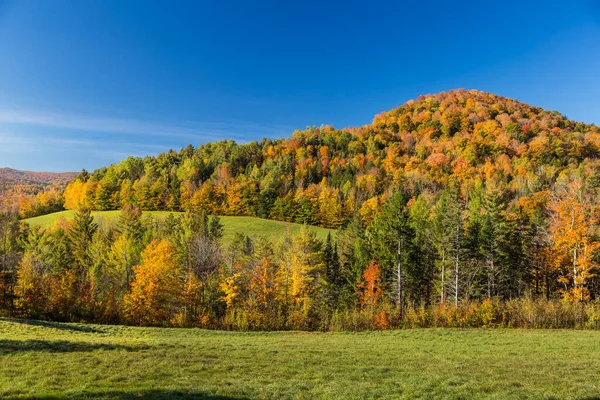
(450, 259)
(452, 209)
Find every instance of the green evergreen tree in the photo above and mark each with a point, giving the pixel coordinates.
(422, 265)
(332, 271)
(391, 240)
(215, 229)
(442, 235)
(130, 222)
(80, 234)
(494, 232)
(354, 255)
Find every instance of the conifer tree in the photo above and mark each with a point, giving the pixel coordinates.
(443, 232)
(80, 234)
(391, 238)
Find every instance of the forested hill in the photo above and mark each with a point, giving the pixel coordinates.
(461, 198)
(32, 192)
(324, 175)
(17, 177)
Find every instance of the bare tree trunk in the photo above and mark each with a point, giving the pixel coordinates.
(400, 276)
(575, 268)
(442, 297)
(456, 266)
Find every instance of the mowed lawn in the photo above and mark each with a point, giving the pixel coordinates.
(40, 360)
(271, 230)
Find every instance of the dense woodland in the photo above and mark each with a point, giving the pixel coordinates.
(456, 209)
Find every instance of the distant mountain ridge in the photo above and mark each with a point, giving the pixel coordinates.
(14, 176)
(32, 193)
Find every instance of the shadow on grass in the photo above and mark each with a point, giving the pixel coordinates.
(8, 346)
(120, 395)
(55, 325)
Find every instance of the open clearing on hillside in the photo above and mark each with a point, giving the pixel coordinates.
(43, 360)
(269, 229)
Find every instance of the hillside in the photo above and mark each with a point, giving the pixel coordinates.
(32, 193)
(9, 176)
(253, 227)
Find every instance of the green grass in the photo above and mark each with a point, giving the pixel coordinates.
(271, 230)
(42, 360)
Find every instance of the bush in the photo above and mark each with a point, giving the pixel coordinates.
(520, 313)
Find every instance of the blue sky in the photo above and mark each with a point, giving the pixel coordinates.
(86, 83)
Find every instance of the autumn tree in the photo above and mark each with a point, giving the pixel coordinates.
(157, 287)
(370, 288)
(300, 274)
(574, 229)
(262, 294)
(32, 288)
(10, 255)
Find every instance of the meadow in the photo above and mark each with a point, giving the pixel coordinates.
(251, 226)
(47, 360)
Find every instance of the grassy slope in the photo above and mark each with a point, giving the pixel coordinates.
(51, 361)
(271, 230)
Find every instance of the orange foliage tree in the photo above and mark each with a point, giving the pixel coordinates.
(370, 289)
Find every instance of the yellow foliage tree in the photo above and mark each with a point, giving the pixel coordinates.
(368, 210)
(330, 208)
(231, 289)
(574, 228)
(156, 290)
(32, 292)
(74, 195)
(235, 205)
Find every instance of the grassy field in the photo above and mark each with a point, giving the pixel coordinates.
(42, 360)
(271, 230)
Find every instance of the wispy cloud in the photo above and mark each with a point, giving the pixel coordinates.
(14, 139)
(44, 153)
(191, 130)
(48, 140)
(11, 139)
